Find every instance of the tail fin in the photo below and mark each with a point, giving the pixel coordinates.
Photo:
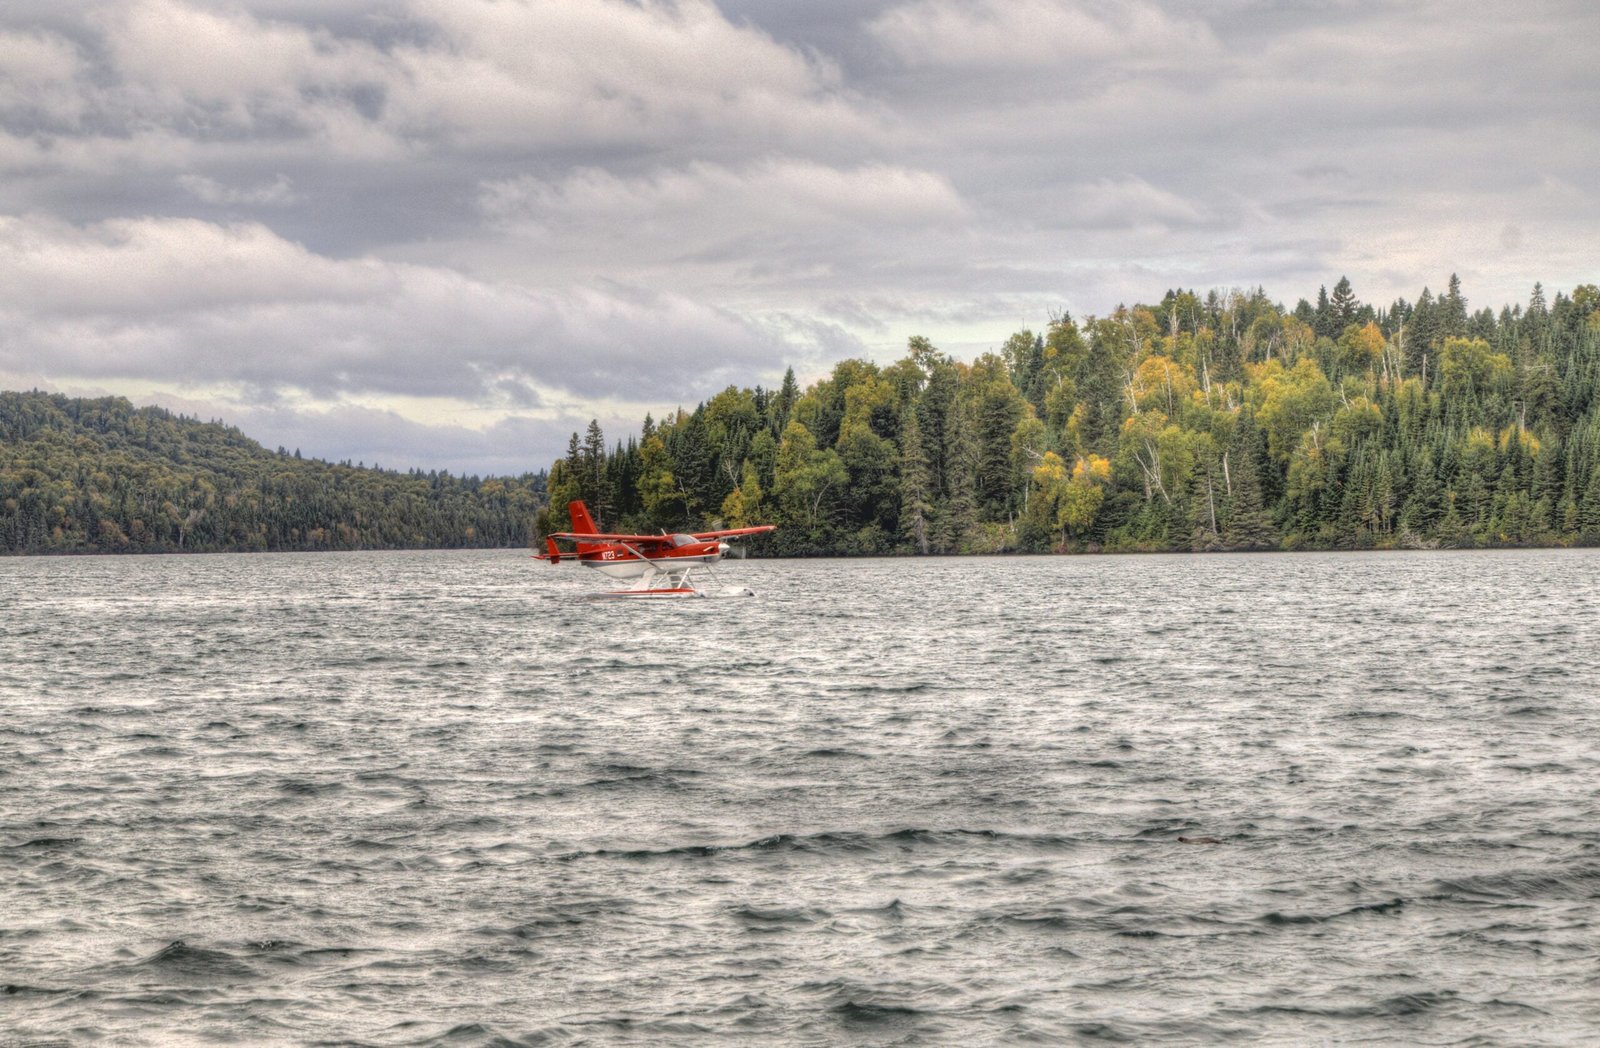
(554, 551)
(582, 523)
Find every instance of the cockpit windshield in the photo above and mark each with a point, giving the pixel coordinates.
(683, 540)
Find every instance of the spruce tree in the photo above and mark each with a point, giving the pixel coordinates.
(961, 483)
(1247, 527)
(1342, 307)
(1421, 335)
(596, 491)
(1203, 511)
(782, 404)
(1453, 319)
(916, 505)
(1589, 508)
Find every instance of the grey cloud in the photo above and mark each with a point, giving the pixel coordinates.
(277, 193)
(1324, 170)
(460, 76)
(1061, 39)
(777, 222)
(1120, 203)
(186, 301)
(815, 344)
(787, 191)
(413, 103)
(547, 208)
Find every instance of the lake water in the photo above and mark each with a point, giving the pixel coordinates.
(433, 799)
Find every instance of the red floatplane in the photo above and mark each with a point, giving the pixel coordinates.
(660, 565)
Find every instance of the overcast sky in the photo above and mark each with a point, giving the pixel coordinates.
(446, 233)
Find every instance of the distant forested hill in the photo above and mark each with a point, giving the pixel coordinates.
(88, 476)
(1196, 422)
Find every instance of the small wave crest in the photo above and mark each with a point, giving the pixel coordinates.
(840, 843)
(1278, 919)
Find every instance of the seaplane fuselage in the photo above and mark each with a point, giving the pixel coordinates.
(623, 560)
(660, 564)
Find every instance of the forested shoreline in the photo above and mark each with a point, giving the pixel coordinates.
(101, 476)
(1214, 422)
(1221, 421)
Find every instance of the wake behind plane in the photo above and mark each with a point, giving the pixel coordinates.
(660, 565)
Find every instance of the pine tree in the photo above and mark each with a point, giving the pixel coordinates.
(1247, 527)
(1203, 525)
(592, 482)
(694, 463)
(1100, 386)
(1342, 307)
(916, 503)
(1453, 319)
(934, 411)
(1383, 495)
(1475, 499)
(961, 483)
(1421, 335)
(1536, 303)
(998, 408)
(783, 403)
(1546, 489)
(1589, 508)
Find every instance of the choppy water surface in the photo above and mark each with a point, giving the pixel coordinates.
(433, 799)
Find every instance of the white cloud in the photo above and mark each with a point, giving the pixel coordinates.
(541, 206)
(606, 71)
(678, 211)
(1116, 203)
(211, 56)
(138, 268)
(218, 72)
(425, 92)
(187, 301)
(462, 74)
(40, 79)
(277, 193)
(31, 60)
(1064, 37)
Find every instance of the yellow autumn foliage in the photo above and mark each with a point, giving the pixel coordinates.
(1514, 434)
(1161, 382)
(1092, 469)
(1050, 471)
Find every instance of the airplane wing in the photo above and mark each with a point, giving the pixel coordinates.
(634, 539)
(641, 545)
(728, 533)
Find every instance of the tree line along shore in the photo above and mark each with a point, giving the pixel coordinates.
(102, 476)
(1221, 421)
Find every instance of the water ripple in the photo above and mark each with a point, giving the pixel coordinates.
(434, 799)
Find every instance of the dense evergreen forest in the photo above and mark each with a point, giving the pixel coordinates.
(1222, 421)
(101, 476)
